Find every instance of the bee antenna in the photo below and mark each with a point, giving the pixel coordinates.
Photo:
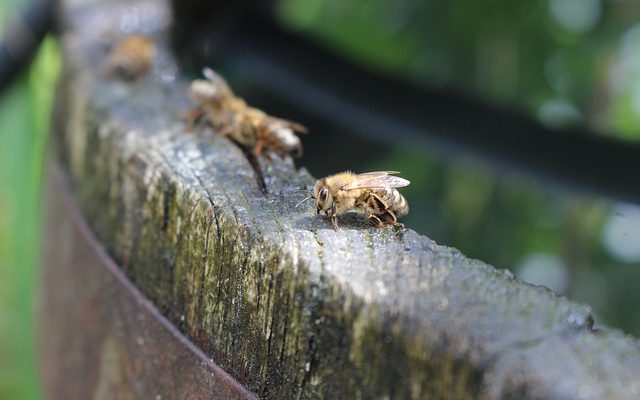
(303, 200)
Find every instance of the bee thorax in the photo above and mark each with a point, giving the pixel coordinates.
(203, 91)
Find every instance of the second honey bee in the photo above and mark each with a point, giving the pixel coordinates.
(374, 193)
(131, 57)
(248, 126)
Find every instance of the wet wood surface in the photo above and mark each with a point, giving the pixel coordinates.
(271, 293)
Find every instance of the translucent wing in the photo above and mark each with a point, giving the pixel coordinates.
(377, 180)
(215, 78)
(297, 127)
(294, 126)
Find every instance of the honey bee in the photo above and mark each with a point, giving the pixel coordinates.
(131, 57)
(374, 193)
(250, 127)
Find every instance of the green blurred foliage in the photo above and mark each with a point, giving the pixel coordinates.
(24, 125)
(505, 219)
(562, 61)
(571, 60)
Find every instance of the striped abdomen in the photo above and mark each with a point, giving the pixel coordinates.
(394, 201)
(282, 140)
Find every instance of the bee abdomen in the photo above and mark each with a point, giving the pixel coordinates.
(394, 201)
(283, 140)
(399, 205)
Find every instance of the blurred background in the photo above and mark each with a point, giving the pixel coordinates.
(565, 63)
(24, 124)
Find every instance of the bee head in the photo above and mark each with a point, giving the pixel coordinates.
(322, 196)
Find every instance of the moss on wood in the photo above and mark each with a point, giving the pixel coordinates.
(286, 305)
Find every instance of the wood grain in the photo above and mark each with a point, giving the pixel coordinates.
(283, 303)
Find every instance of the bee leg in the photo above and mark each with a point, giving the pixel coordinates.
(400, 227)
(257, 149)
(260, 137)
(393, 220)
(224, 130)
(400, 230)
(373, 204)
(377, 221)
(369, 215)
(334, 222)
(255, 165)
(390, 217)
(334, 217)
(193, 117)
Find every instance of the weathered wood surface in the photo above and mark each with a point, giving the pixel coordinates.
(99, 338)
(283, 303)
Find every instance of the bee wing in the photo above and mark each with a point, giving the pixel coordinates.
(377, 180)
(215, 78)
(296, 127)
(378, 173)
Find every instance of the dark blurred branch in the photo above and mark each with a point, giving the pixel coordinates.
(208, 25)
(22, 37)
